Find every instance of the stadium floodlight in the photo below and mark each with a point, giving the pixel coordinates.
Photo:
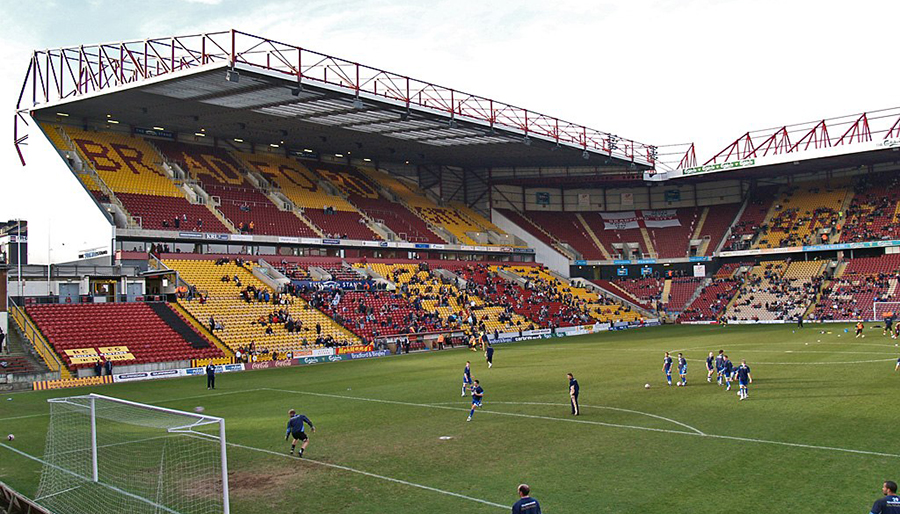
(526, 140)
(357, 103)
(295, 91)
(107, 455)
(453, 123)
(585, 155)
(232, 75)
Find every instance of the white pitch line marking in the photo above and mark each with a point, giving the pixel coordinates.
(372, 475)
(613, 425)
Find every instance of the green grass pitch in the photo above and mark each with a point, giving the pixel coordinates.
(819, 432)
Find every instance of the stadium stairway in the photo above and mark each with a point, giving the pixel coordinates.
(179, 325)
(649, 243)
(593, 236)
(666, 292)
(37, 342)
(201, 328)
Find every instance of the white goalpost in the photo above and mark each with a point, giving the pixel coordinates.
(106, 455)
(882, 310)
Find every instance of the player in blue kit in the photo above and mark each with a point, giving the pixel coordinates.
(720, 363)
(744, 379)
(467, 378)
(710, 367)
(682, 369)
(477, 396)
(890, 502)
(667, 368)
(728, 372)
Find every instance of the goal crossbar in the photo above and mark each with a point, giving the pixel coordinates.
(90, 406)
(887, 307)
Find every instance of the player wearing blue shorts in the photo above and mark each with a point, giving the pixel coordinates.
(667, 368)
(729, 373)
(477, 396)
(467, 378)
(744, 379)
(720, 363)
(710, 367)
(682, 369)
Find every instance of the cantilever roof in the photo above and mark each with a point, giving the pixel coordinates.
(234, 85)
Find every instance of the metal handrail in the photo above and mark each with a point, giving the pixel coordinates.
(34, 336)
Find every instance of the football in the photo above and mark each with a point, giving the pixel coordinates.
(199, 409)
(10, 437)
(646, 386)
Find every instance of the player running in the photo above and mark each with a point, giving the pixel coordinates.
(859, 329)
(710, 367)
(467, 378)
(296, 429)
(682, 369)
(720, 365)
(477, 395)
(489, 355)
(729, 373)
(744, 379)
(667, 368)
(888, 321)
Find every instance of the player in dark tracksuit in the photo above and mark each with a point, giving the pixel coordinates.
(210, 376)
(296, 430)
(573, 393)
(489, 355)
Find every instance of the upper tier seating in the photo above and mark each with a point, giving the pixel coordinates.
(527, 225)
(416, 200)
(566, 228)
(750, 221)
(800, 210)
(132, 169)
(334, 215)
(674, 242)
(246, 320)
(864, 281)
(873, 213)
(220, 176)
(98, 325)
(363, 194)
(718, 219)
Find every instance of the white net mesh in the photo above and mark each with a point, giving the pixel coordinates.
(149, 461)
(885, 310)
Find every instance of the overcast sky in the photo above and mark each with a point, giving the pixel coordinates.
(659, 72)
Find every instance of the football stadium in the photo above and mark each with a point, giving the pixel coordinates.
(435, 297)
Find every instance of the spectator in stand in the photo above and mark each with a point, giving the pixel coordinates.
(108, 366)
(98, 368)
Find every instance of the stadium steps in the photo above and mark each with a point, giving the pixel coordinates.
(649, 243)
(19, 348)
(666, 292)
(37, 340)
(848, 201)
(768, 218)
(221, 217)
(179, 325)
(201, 328)
(306, 221)
(698, 233)
(593, 236)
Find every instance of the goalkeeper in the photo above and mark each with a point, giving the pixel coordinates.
(296, 429)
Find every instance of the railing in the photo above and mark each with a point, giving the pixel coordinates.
(37, 340)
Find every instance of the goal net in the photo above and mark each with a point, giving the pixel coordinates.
(106, 455)
(884, 310)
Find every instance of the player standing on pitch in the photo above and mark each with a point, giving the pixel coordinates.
(573, 393)
(728, 371)
(720, 365)
(709, 367)
(467, 378)
(744, 379)
(682, 369)
(667, 368)
(477, 395)
(489, 355)
(296, 430)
